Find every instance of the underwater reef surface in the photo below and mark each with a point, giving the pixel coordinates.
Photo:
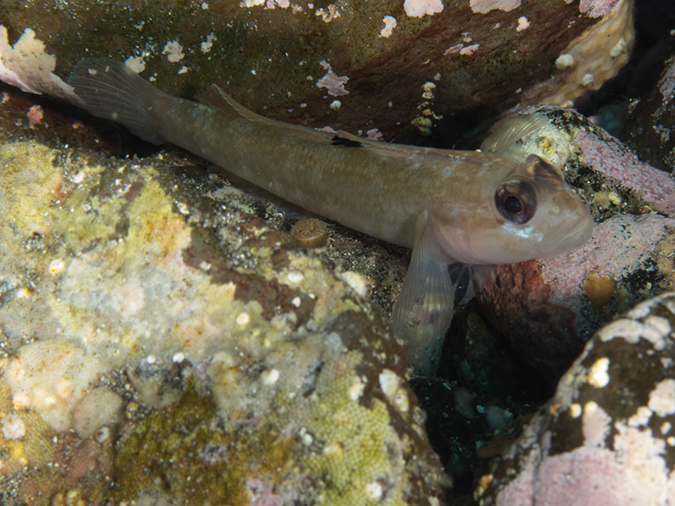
(373, 68)
(165, 341)
(651, 124)
(160, 346)
(548, 308)
(606, 436)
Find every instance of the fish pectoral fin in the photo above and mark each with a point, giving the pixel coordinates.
(504, 137)
(468, 280)
(423, 311)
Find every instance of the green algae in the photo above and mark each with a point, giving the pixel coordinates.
(270, 407)
(196, 456)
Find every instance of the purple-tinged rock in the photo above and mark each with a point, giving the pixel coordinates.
(651, 125)
(608, 434)
(550, 307)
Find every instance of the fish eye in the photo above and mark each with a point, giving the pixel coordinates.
(516, 200)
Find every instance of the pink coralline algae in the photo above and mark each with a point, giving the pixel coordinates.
(618, 163)
(333, 83)
(597, 8)
(548, 308)
(606, 437)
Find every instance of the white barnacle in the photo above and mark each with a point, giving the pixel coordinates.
(597, 374)
(270, 376)
(295, 276)
(374, 490)
(13, 427)
(564, 61)
(56, 266)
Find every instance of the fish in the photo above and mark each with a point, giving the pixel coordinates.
(461, 212)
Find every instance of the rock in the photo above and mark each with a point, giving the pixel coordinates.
(161, 346)
(652, 122)
(550, 307)
(606, 437)
(374, 68)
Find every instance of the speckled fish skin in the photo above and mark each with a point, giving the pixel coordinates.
(440, 203)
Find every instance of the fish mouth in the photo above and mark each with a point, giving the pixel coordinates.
(577, 234)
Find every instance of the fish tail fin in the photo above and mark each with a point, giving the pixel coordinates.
(113, 91)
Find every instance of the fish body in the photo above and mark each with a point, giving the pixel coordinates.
(453, 208)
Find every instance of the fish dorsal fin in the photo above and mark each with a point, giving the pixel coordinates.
(216, 97)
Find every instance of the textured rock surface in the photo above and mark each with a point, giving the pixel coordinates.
(161, 347)
(606, 437)
(652, 123)
(369, 67)
(550, 307)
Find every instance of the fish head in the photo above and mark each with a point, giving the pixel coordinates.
(525, 212)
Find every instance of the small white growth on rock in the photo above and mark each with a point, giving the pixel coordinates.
(391, 384)
(632, 331)
(173, 51)
(665, 428)
(662, 398)
(619, 48)
(595, 424)
(251, 3)
(135, 63)
(208, 44)
(468, 50)
(102, 435)
(421, 8)
(575, 410)
(35, 114)
(357, 389)
(296, 301)
(588, 80)
(374, 134)
(328, 14)
(306, 437)
(13, 427)
(641, 417)
(270, 376)
(428, 90)
(389, 25)
(523, 24)
(295, 276)
(453, 49)
(335, 105)
(333, 83)
(178, 357)
(357, 282)
(597, 374)
(56, 266)
(375, 490)
(564, 61)
(243, 319)
(485, 6)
